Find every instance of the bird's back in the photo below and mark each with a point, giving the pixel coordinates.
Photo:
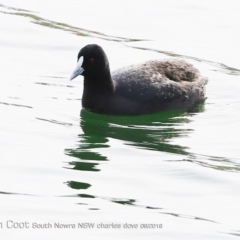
(162, 83)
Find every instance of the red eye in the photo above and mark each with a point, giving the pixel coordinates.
(91, 60)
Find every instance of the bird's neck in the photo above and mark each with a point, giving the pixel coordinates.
(102, 83)
(97, 91)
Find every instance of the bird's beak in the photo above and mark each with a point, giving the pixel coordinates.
(78, 70)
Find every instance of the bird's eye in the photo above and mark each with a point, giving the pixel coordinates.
(91, 60)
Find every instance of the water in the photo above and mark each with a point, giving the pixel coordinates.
(62, 164)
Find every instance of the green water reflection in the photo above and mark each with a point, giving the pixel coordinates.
(151, 132)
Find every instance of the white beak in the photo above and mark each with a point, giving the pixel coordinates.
(78, 70)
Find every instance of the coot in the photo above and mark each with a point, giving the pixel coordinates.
(143, 88)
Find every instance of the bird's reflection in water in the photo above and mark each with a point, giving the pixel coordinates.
(151, 132)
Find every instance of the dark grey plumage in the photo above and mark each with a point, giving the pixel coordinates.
(139, 89)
